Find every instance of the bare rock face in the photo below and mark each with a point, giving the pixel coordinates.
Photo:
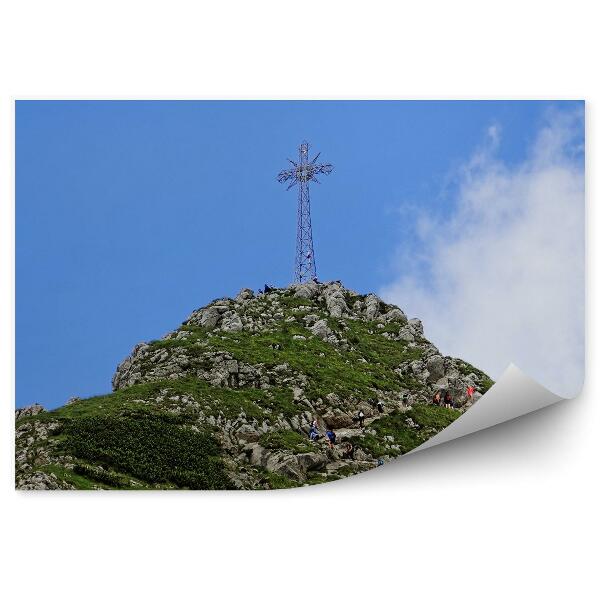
(232, 323)
(416, 326)
(209, 317)
(372, 304)
(307, 290)
(32, 451)
(338, 419)
(321, 330)
(435, 367)
(244, 294)
(28, 411)
(406, 335)
(336, 303)
(42, 481)
(394, 315)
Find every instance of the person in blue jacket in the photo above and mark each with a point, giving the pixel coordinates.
(330, 437)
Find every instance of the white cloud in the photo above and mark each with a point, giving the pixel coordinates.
(506, 270)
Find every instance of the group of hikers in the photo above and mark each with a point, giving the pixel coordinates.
(314, 434)
(440, 399)
(331, 437)
(446, 399)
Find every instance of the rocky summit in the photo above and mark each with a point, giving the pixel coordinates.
(247, 393)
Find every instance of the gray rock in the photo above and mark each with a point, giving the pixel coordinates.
(372, 304)
(289, 467)
(247, 433)
(310, 319)
(416, 326)
(28, 411)
(306, 290)
(336, 305)
(244, 294)
(232, 323)
(257, 454)
(435, 366)
(394, 315)
(406, 335)
(416, 366)
(41, 481)
(311, 460)
(232, 366)
(321, 330)
(209, 317)
(338, 419)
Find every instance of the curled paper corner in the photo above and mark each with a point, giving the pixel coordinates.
(513, 395)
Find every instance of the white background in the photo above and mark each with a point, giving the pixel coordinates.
(507, 513)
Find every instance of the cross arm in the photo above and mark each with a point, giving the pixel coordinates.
(286, 175)
(324, 169)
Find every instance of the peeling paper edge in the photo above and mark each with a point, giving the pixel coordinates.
(513, 395)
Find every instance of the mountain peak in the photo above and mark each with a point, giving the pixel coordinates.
(248, 392)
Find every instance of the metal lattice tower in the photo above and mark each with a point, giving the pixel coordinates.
(302, 173)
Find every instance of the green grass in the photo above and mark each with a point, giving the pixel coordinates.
(109, 478)
(347, 470)
(430, 415)
(338, 371)
(286, 440)
(275, 481)
(325, 364)
(86, 477)
(280, 401)
(149, 447)
(316, 477)
(404, 437)
(390, 328)
(429, 418)
(80, 482)
(229, 402)
(378, 349)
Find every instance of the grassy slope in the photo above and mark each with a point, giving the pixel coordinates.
(329, 369)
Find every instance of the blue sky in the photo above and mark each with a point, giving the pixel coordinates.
(129, 215)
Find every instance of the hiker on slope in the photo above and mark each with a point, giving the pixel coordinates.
(448, 403)
(349, 451)
(361, 418)
(331, 437)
